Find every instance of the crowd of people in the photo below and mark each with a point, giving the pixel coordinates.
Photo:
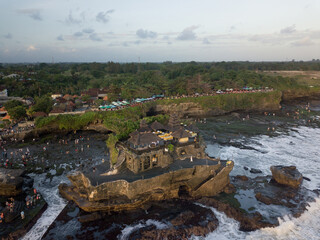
(13, 129)
(31, 201)
(22, 157)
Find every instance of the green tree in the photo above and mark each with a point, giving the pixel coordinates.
(12, 104)
(18, 112)
(43, 104)
(85, 98)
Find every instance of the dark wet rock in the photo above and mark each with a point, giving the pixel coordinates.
(27, 183)
(179, 219)
(242, 177)
(248, 222)
(245, 168)
(306, 178)
(90, 217)
(255, 171)
(182, 218)
(285, 175)
(188, 223)
(268, 191)
(264, 199)
(230, 189)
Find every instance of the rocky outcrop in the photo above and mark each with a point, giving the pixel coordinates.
(190, 109)
(255, 171)
(247, 222)
(11, 181)
(186, 224)
(285, 175)
(198, 181)
(98, 127)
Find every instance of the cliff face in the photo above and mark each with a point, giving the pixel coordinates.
(11, 181)
(189, 109)
(220, 104)
(199, 181)
(294, 94)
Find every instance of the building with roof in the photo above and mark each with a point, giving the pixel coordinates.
(156, 145)
(56, 95)
(4, 93)
(39, 114)
(95, 93)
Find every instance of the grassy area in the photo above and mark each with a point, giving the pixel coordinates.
(305, 78)
(230, 102)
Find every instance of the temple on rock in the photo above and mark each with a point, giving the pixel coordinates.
(156, 145)
(156, 163)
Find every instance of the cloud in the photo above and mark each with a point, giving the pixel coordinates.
(104, 17)
(33, 13)
(71, 19)
(295, 38)
(60, 38)
(146, 34)
(232, 28)
(8, 36)
(303, 42)
(95, 37)
(88, 30)
(288, 30)
(31, 48)
(78, 34)
(188, 34)
(206, 41)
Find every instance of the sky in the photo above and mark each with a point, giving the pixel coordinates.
(157, 31)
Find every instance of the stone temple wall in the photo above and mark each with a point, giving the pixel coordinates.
(201, 180)
(159, 157)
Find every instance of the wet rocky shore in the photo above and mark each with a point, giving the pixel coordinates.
(163, 218)
(186, 217)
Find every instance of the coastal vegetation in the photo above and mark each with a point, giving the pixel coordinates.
(229, 102)
(111, 144)
(125, 121)
(132, 80)
(121, 123)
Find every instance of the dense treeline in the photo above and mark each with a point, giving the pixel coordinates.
(130, 80)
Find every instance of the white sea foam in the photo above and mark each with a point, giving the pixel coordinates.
(300, 147)
(125, 233)
(307, 226)
(227, 229)
(50, 193)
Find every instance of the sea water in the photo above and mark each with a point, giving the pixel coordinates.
(297, 146)
(300, 146)
(49, 191)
